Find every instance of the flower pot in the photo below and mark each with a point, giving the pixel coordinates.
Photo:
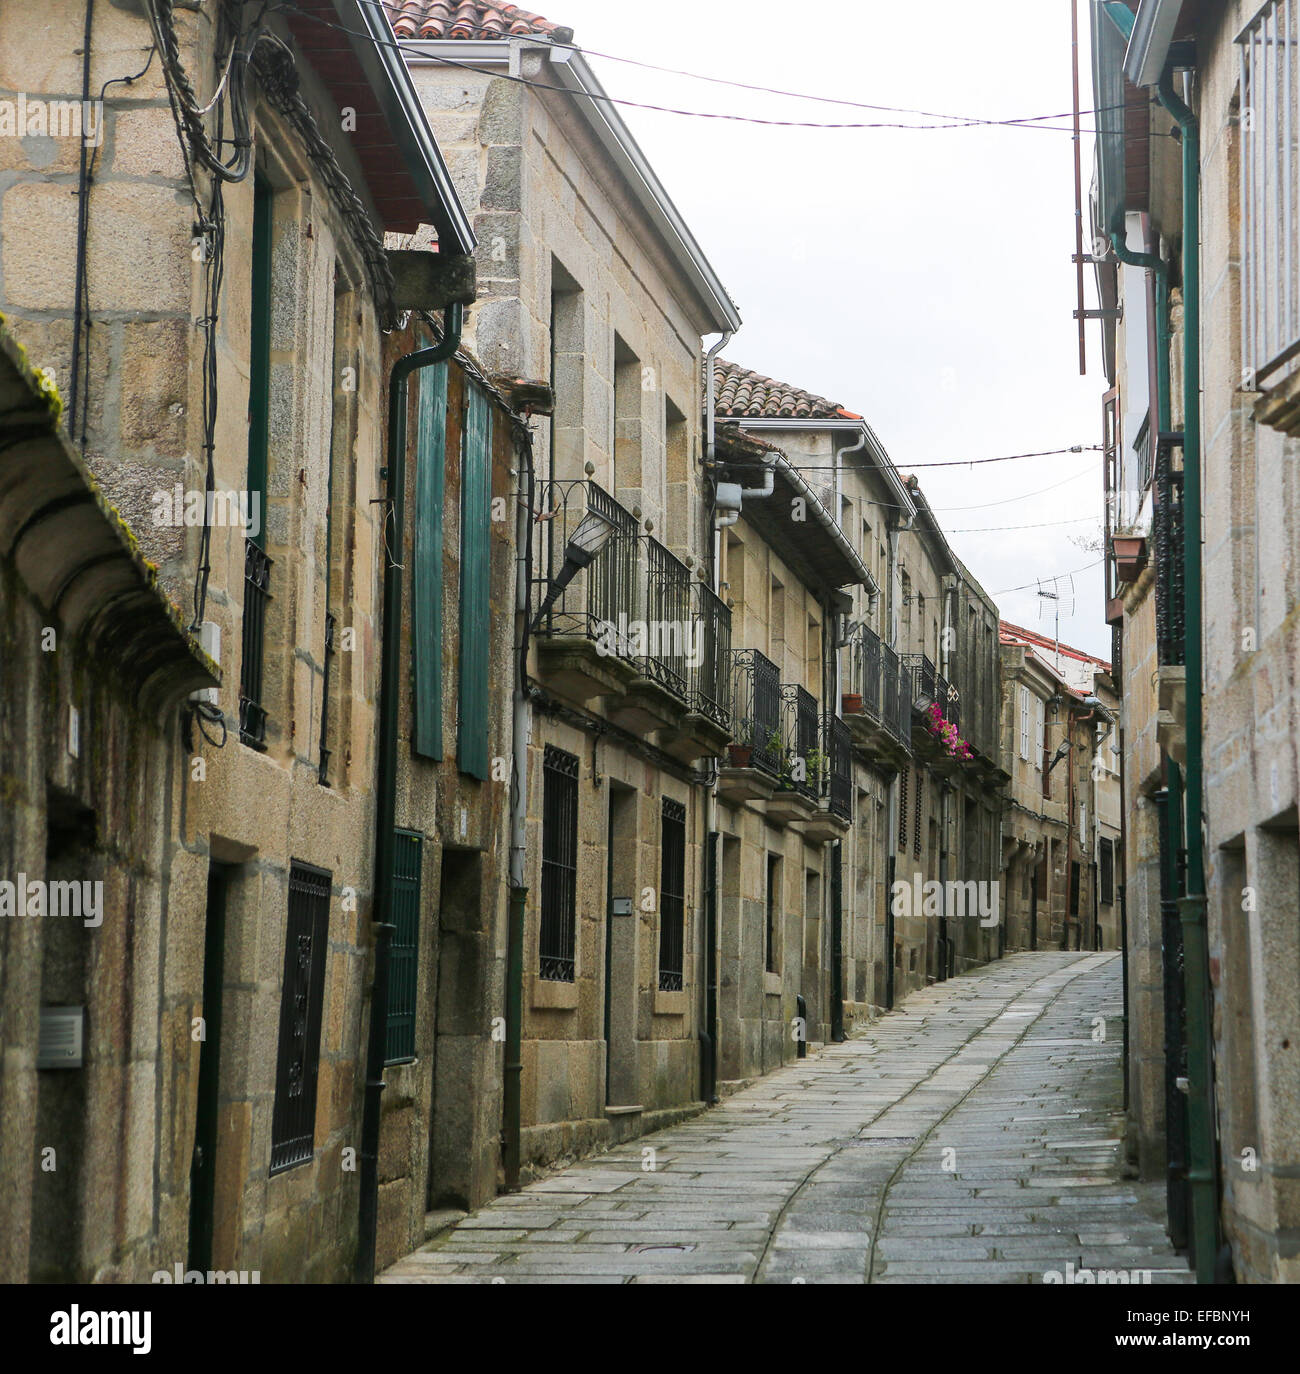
(1130, 556)
(850, 703)
(740, 754)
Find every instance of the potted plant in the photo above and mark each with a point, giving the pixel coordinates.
(742, 751)
(850, 703)
(817, 765)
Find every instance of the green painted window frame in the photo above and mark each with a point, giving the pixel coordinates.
(475, 585)
(404, 946)
(426, 608)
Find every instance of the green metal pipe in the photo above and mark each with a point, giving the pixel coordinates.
(514, 1067)
(1202, 1171)
(390, 686)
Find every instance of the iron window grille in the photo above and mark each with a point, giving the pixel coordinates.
(897, 696)
(1167, 522)
(916, 814)
(322, 772)
(1269, 176)
(302, 994)
(672, 896)
(404, 947)
(902, 808)
(257, 593)
(557, 936)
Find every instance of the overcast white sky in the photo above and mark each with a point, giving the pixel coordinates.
(922, 279)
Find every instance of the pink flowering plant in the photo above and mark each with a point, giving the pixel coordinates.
(946, 733)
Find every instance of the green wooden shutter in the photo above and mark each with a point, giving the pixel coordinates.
(475, 567)
(426, 611)
(404, 949)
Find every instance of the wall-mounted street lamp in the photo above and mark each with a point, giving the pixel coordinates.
(1062, 750)
(592, 534)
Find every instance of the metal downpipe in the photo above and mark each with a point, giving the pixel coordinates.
(390, 683)
(1202, 1170)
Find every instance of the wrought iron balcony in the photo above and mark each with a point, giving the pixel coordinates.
(896, 696)
(802, 737)
(839, 754)
(603, 599)
(865, 668)
(756, 709)
(924, 680)
(667, 620)
(709, 676)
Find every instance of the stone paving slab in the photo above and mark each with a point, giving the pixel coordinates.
(973, 1136)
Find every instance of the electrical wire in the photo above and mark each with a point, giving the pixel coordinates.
(1024, 586)
(959, 122)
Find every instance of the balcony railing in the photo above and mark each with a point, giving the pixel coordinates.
(709, 677)
(668, 606)
(865, 670)
(924, 680)
(603, 599)
(1167, 525)
(896, 696)
(756, 708)
(802, 738)
(839, 753)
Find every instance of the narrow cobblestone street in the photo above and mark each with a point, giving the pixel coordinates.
(970, 1137)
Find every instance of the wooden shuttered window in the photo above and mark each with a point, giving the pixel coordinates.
(475, 574)
(404, 949)
(426, 610)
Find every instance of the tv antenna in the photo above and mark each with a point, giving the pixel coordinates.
(1056, 596)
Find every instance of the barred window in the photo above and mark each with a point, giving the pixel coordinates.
(672, 896)
(916, 814)
(902, 808)
(556, 944)
(302, 993)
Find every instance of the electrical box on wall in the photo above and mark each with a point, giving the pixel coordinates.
(62, 1038)
(621, 906)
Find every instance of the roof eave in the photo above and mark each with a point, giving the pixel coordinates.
(1149, 43)
(376, 50)
(577, 78)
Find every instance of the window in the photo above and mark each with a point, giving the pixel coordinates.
(302, 993)
(1074, 887)
(1270, 162)
(257, 566)
(916, 814)
(625, 461)
(672, 895)
(773, 911)
(426, 588)
(404, 946)
(902, 808)
(556, 942)
(1106, 871)
(1025, 711)
(475, 584)
(1038, 731)
(568, 370)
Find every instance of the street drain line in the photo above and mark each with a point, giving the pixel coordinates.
(821, 1164)
(1078, 972)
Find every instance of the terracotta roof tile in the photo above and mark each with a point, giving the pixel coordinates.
(465, 19)
(744, 394)
(1017, 634)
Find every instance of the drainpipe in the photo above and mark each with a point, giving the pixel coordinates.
(712, 838)
(390, 685)
(1201, 1171)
